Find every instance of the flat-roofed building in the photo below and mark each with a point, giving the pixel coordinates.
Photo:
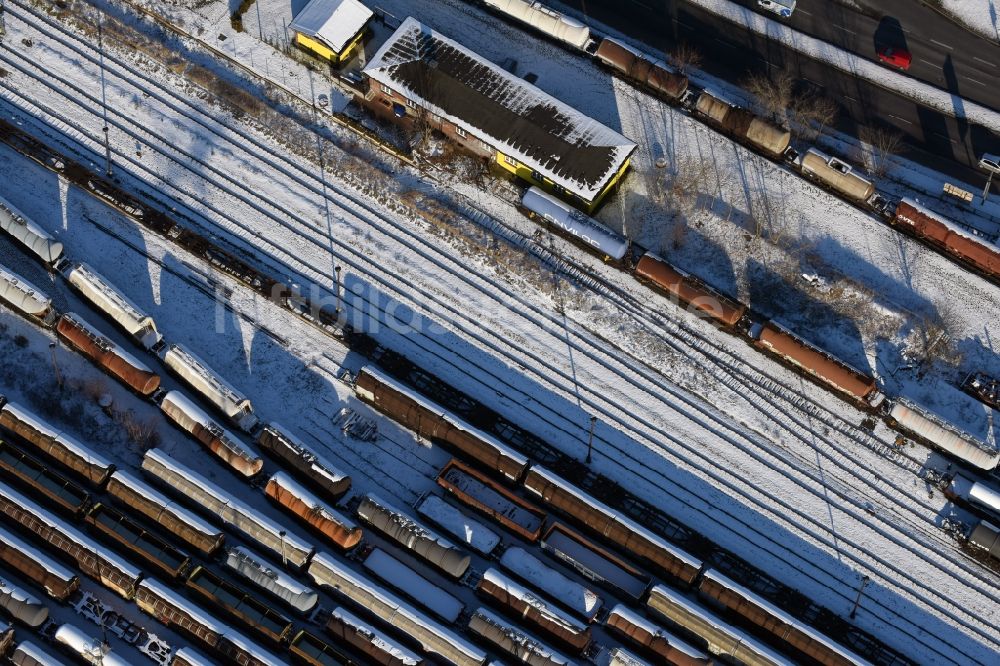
(419, 74)
(331, 29)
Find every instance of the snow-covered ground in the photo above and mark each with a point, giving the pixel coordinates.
(979, 15)
(795, 491)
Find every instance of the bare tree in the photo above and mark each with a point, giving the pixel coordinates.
(685, 57)
(879, 143)
(813, 113)
(773, 94)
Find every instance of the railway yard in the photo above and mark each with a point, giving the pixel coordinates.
(273, 395)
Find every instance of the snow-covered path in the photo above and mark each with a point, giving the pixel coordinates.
(271, 210)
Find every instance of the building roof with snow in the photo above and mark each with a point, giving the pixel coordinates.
(334, 22)
(574, 151)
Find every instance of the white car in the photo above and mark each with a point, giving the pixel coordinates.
(783, 8)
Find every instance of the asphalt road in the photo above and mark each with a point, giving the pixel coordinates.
(944, 54)
(932, 138)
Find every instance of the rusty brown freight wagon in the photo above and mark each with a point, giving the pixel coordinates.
(324, 519)
(110, 357)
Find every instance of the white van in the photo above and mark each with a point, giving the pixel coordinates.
(783, 8)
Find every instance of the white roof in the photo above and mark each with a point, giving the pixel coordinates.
(29, 649)
(190, 656)
(549, 136)
(334, 22)
(545, 578)
(468, 531)
(272, 571)
(403, 578)
(196, 613)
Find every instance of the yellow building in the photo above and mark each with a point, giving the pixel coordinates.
(421, 74)
(331, 29)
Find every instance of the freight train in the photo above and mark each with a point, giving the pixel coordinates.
(966, 246)
(768, 336)
(588, 514)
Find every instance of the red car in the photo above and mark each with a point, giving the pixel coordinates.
(894, 57)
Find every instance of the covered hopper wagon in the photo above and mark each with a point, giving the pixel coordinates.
(226, 446)
(106, 298)
(836, 175)
(651, 73)
(323, 518)
(23, 296)
(210, 385)
(32, 237)
(111, 358)
(942, 435)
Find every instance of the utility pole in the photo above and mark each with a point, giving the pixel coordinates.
(260, 29)
(857, 601)
(55, 365)
(284, 560)
(104, 97)
(590, 441)
(336, 271)
(986, 190)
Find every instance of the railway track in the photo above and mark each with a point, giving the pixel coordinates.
(611, 444)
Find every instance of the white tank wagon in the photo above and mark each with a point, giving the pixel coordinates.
(90, 650)
(106, 298)
(569, 593)
(406, 531)
(837, 175)
(582, 227)
(468, 531)
(23, 296)
(29, 234)
(433, 637)
(514, 640)
(721, 639)
(975, 493)
(57, 445)
(96, 561)
(226, 446)
(549, 21)
(229, 510)
(413, 585)
(285, 446)
(209, 384)
(30, 654)
(156, 506)
(262, 573)
(21, 605)
(941, 434)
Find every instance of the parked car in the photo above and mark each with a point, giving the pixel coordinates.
(783, 8)
(894, 57)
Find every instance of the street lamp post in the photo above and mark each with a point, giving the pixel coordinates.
(590, 440)
(857, 601)
(990, 164)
